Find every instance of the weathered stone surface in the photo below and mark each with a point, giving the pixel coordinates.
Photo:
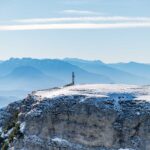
(80, 121)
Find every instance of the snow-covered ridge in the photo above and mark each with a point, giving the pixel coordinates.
(81, 117)
(108, 91)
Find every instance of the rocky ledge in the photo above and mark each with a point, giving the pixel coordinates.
(81, 117)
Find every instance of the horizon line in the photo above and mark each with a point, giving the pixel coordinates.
(77, 58)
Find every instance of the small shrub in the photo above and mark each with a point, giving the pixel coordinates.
(11, 123)
(5, 146)
(1, 139)
(15, 133)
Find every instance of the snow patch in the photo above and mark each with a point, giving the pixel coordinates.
(34, 113)
(110, 91)
(125, 149)
(59, 140)
(33, 139)
(5, 135)
(138, 113)
(22, 127)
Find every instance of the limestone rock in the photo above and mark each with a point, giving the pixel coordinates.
(83, 117)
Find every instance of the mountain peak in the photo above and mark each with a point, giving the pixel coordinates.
(81, 117)
(83, 60)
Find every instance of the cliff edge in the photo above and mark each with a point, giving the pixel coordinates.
(81, 117)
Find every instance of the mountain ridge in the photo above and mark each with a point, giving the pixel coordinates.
(32, 74)
(80, 117)
(118, 75)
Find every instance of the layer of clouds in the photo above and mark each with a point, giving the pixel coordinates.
(101, 22)
(73, 26)
(84, 19)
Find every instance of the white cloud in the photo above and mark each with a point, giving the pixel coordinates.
(101, 22)
(75, 26)
(80, 12)
(83, 19)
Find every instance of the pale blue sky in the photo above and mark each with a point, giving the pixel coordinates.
(109, 30)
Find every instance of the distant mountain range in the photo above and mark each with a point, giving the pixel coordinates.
(128, 73)
(29, 74)
(32, 74)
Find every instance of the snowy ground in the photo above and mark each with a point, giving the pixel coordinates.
(109, 91)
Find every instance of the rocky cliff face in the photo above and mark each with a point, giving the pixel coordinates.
(85, 117)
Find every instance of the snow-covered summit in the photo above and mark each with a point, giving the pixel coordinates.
(106, 91)
(80, 117)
